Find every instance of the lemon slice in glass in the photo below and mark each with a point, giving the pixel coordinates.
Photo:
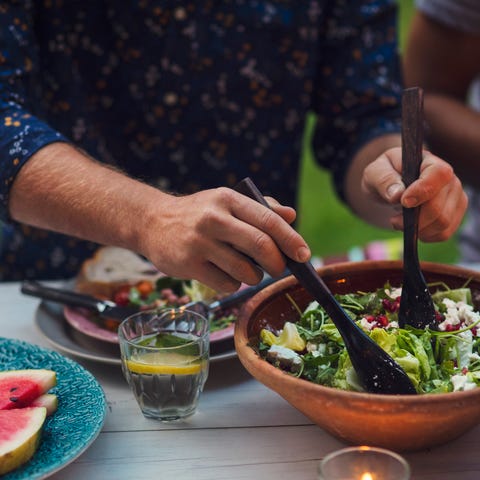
(162, 363)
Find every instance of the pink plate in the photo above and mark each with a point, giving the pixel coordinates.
(223, 334)
(82, 321)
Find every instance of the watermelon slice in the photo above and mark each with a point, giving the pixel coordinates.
(19, 388)
(20, 431)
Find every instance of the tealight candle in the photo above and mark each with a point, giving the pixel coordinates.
(363, 463)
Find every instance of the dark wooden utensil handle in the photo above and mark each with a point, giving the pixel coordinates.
(412, 133)
(416, 305)
(412, 145)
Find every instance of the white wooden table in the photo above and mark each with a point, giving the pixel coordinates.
(242, 430)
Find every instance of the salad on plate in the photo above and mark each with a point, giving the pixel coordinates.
(170, 292)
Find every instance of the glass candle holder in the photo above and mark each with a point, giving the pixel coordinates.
(363, 463)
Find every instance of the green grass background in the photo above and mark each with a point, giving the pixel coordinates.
(327, 224)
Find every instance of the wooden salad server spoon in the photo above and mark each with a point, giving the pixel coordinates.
(416, 304)
(376, 370)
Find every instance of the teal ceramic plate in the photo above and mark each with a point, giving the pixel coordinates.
(80, 415)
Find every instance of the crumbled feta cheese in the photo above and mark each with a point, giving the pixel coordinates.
(394, 293)
(461, 382)
(366, 325)
(457, 314)
(312, 306)
(322, 349)
(284, 355)
(468, 314)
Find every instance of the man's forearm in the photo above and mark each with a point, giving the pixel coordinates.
(63, 190)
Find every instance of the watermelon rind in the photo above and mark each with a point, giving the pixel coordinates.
(18, 447)
(15, 394)
(47, 400)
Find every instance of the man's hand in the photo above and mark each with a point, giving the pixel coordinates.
(438, 191)
(221, 238)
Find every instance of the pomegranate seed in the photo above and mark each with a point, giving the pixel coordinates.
(388, 305)
(382, 320)
(452, 328)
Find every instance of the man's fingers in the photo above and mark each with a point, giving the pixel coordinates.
(217, 279)
(262, 226)
(435, 174)
(382, 178)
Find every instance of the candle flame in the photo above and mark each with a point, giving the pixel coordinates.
(366, 476)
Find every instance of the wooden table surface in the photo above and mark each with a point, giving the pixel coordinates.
(242, 430)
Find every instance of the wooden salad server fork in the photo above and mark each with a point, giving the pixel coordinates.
(416, 304)
(376, 370)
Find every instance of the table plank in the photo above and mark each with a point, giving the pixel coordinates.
(206, 454)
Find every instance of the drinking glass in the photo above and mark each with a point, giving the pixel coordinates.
(165, 359)
(363, 463)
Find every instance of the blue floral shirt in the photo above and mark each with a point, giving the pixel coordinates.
(188, 95)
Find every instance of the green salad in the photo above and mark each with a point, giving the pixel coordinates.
(444, 359)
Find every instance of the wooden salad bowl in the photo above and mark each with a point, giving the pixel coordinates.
(396, 422)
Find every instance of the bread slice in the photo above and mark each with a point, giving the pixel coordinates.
(112, 267)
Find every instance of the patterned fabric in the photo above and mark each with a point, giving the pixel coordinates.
(188, 95)
(463, 15)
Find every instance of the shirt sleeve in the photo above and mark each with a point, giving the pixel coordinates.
(463, 15)
(358, 94)
(22, 132)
